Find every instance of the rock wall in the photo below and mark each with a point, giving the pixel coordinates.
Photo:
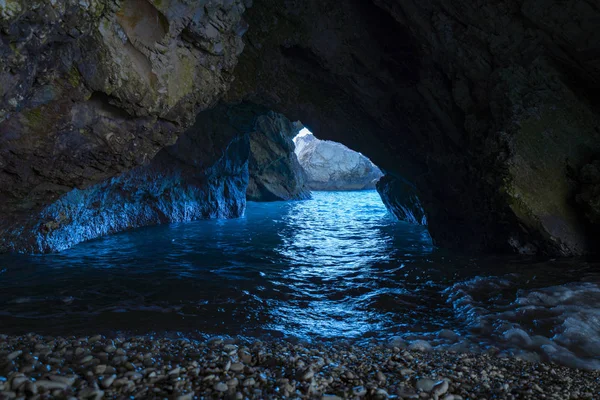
(486, 107)
(275, 173)
(401, 200)
(333, 166)
(90, 89)
(204, 175)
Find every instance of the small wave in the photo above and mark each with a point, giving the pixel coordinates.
(556, 323)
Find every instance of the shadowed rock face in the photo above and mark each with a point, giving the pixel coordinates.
(484, 107)
(589, 193)
(490, 109)
(401, 200)
(90, 89)
(275, 173)
(203, 175)
(333, 166)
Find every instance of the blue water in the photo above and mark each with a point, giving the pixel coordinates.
(334, 267)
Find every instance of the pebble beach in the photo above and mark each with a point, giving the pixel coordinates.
(36, 367)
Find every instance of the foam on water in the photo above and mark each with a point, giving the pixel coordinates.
(556, 323)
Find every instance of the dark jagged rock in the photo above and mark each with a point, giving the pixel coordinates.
(275, 173)
(589, 195)
(90, 89)
(484, 106)
(401, 200)
(333, 166)
(204, 175)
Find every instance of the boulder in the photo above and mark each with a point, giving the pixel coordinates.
(333, 166)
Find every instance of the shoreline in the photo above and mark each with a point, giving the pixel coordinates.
(143, 367)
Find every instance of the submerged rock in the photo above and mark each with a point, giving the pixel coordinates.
(275, 173)
(333, 166)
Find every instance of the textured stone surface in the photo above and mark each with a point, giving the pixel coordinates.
(203, 175)
(484, 106)
(333, 166)
(93, 88)
(589, 193)
(275, 173)
(401, 200)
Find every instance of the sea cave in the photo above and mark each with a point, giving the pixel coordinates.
(260, 199)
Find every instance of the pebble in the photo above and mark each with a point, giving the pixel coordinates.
(237, 367)
(440, 388)
(221, 387)
(100, 369)
(233, 382)
(14, 355)
(50, 385)
(87, 359)
(420, 345)
(359, 391)
(448, 335)
(95, 339)
(186, 369)
(17, 382)
(67, 380)
(307, 375)
(425, 384)
(108, 381)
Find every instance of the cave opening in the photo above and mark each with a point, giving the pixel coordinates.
(165, 232)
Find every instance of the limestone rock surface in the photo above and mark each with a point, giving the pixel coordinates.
(90, 89)
(333, 166)
(203, 175)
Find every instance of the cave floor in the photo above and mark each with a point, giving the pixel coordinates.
(150, 367)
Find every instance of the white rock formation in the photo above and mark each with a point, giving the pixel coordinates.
(333, 166)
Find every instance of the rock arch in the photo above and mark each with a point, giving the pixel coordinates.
(489, 111)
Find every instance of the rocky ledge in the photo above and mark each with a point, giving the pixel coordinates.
(142, 367)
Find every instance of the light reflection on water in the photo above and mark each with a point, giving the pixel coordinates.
(336, 266)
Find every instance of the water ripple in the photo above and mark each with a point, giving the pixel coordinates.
(336, 266)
